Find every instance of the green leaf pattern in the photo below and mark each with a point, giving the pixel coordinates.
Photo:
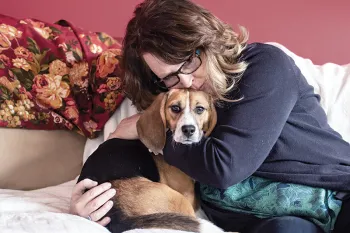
(265, 198)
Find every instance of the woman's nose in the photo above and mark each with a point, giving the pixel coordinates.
(186, 80)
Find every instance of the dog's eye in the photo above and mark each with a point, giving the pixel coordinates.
(199, 110)
(175, 108)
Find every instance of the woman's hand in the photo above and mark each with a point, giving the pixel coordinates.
(94, 203)
(126, 128)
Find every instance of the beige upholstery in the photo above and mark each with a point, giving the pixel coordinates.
(32, 159)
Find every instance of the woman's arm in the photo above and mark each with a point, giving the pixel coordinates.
(247, 130)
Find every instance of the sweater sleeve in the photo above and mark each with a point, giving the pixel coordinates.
(247, 130)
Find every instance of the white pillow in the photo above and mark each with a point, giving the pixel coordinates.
(126, 109)
(332, 83)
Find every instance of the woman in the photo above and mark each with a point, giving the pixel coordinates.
(272, 164)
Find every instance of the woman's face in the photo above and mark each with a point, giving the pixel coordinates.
(196, 80)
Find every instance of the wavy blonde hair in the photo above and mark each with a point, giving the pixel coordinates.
(171, 30)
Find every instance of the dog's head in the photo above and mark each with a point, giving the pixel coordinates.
(188, 114)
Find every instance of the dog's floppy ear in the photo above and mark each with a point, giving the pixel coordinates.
(209, 126)
(151, 125)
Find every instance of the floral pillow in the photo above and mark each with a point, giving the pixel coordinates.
(57, 76)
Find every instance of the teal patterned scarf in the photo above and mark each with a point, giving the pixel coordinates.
(265, 198)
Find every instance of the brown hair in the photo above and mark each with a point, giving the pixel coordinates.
(171, 30)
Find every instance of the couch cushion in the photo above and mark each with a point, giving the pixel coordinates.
(32, 159)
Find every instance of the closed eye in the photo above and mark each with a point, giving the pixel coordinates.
(199, 110)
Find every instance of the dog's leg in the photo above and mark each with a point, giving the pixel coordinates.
(177, 180)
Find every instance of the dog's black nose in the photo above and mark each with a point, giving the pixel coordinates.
(188, 130)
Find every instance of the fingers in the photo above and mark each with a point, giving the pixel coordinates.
(104, 221)
(80, 201)
(101, 212)
(80, 187)
(94, 192)
(93, 207)
(94, 203)
(78, 190)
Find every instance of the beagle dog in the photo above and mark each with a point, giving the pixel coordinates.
(189, 115)
(150, 192)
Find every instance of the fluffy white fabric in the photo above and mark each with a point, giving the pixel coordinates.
(332, 83)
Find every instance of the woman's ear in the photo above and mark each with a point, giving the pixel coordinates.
(151, 127)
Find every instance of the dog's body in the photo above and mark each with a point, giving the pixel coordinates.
(150, 192)
(135, 175)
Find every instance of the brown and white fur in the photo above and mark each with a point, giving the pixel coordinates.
(171, 202)
(189, 115)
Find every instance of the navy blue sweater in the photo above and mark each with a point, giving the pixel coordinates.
(278, 131)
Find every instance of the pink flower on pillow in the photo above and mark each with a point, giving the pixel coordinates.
(102, 89)
(114, 83)
(90, 126)
(21, 63)
(22, 52)
(10, 32)
(72, 113)
(57, 67)
(5, 43)
(40, 28)
(77, 74)
(107, 62)
(23, 91)
(5, 60)
(50, 90)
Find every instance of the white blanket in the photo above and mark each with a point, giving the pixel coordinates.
(42, 211)
(45, 210)
(44, 222)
